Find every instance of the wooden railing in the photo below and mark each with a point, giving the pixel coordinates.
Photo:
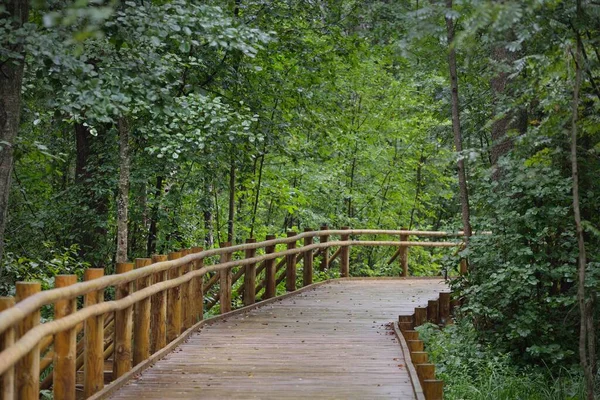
(155, 301)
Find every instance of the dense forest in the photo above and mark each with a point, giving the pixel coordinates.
(140, 127)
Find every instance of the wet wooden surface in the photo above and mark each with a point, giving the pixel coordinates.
(330, 342)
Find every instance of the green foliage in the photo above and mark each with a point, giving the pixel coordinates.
(471, 370)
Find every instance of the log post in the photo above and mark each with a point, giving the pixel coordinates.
(65, 345)
(250, 277)
(433, 389)
(225, 281)
(290, 267)
(425, 372)
(419, 357)
(93, 365)
(186, 311)
(28, 368)
(7, 338)
(415, 345)
(270, 271)
(444, 307)
(173, 303)
(123, 326)
(406, 322)
(403, 255)
(324, 250)
(158, 323)
(433, 311)
(463, 266)
(420, 315)
(307, 272)
(197, 289)
(345, 256)
(141, 326)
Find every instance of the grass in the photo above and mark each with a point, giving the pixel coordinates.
(472, 371)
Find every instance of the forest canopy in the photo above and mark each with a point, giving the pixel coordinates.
(141, 127)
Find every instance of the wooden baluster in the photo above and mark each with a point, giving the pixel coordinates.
(141, 326)
(197, 289)
(173, 303)
(270, 271)
(324, 250)
(290, 266)
(433, 389)
(7, 338)
(307, 273)
(123, 326)
(345, 256)
(420, 315)
(433, 311)
(158, 323)
(65, 345)
(225, 281)
(250, 276)
(28, 368)
(403, 256)
(444, 307)
(93, 366)
(425, 372)
(186, 311)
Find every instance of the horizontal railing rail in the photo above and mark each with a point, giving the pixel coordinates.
(174, 282)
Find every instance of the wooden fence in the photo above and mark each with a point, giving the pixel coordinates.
(155, 301)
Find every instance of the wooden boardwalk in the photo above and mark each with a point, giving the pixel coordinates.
(332, 341)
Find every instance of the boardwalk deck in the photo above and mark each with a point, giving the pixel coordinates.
(329, 342)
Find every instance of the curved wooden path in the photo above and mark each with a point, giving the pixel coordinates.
(330, 341)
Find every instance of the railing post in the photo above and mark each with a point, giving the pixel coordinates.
(307, 275)
(250, 277)
(433, 311)
(225, 281)
(6, 340)
(403, 256)
(158, 324)
(444, 307)
(65, 345)
(93, 367)
(28, 368)
(290, 268)
(123, 326)
(197, 288)
(186, 311)
(270, 278)
(173, 303)
(345, 256)
(324, 250)
(420, 316)
(141, 326)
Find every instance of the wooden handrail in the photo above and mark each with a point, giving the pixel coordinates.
(29, 305)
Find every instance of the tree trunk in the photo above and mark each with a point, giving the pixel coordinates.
(257, 194)
(208, 215)
(11, 78)
(419, 171)
(462, 176)
(123, 196)
(231, 218)
(586, 329)
(153, 229)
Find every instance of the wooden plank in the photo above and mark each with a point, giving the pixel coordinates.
(65, 345)
(330, 341)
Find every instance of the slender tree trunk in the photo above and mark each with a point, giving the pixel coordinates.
(208, 215)
(586, 328)
(231, 217)
(417, 191)
(462, 176)
(153, 228)
(11, 78)
(123, 196)
(257, 194)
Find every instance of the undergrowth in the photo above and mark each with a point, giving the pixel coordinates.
(473, 371)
